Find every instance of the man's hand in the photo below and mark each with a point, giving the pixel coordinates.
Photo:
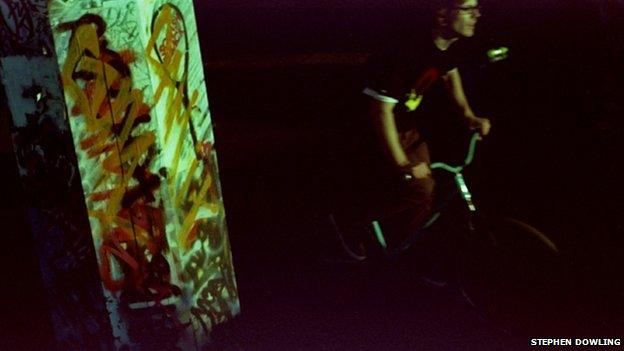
(481, 124)
(419, 171)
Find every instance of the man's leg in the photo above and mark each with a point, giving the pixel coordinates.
(399, 205)
(410, 202)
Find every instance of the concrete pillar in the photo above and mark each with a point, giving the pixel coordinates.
(111, 129)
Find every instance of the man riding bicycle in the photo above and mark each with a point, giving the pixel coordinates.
(400, 82)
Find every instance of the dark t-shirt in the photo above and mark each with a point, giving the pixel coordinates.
(409, 74)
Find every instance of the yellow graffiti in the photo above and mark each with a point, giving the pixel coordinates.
(192, 186)
(167, 61)
(98, 81)
(182, 193)
(198, 200)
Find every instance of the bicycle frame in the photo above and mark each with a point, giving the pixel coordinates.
(461, 186)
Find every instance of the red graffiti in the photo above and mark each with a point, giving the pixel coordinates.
(133, 237)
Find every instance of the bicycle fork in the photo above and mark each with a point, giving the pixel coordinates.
(467, 196)
(465, 193)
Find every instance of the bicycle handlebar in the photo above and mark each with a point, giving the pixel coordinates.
(454, 169)
(468, 160)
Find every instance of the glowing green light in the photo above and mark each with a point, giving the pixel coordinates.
(461, 184)
(498, 54)
(379, 234)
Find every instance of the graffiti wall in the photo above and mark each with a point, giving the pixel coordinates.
(138, 110)
(125, 77)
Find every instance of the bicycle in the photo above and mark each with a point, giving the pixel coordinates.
(500, 261)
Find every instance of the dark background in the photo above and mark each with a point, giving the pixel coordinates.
(284, 81)
(286, 118)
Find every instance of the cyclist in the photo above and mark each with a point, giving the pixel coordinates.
(399, 80)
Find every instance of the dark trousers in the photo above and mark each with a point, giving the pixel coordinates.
(400, 206)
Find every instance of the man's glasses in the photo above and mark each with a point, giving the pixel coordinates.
(473, 10)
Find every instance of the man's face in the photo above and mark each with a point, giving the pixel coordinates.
(463, 18)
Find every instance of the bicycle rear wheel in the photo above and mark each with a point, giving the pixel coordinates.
(511, 273)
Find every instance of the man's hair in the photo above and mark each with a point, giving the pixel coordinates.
(437, 5)
(427, 11)
(431, 9)
(445, 3)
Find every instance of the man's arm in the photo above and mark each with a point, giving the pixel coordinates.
(381, 112)
(454, 85)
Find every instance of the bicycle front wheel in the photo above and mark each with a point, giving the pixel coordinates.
(511, 272)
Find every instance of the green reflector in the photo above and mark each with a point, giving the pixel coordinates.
(379, 234)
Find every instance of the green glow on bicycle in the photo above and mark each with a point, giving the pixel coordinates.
(379, 234)
(461, 184)
(459, 178)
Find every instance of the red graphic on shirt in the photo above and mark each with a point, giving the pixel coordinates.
(426, 80)
(415, 96)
